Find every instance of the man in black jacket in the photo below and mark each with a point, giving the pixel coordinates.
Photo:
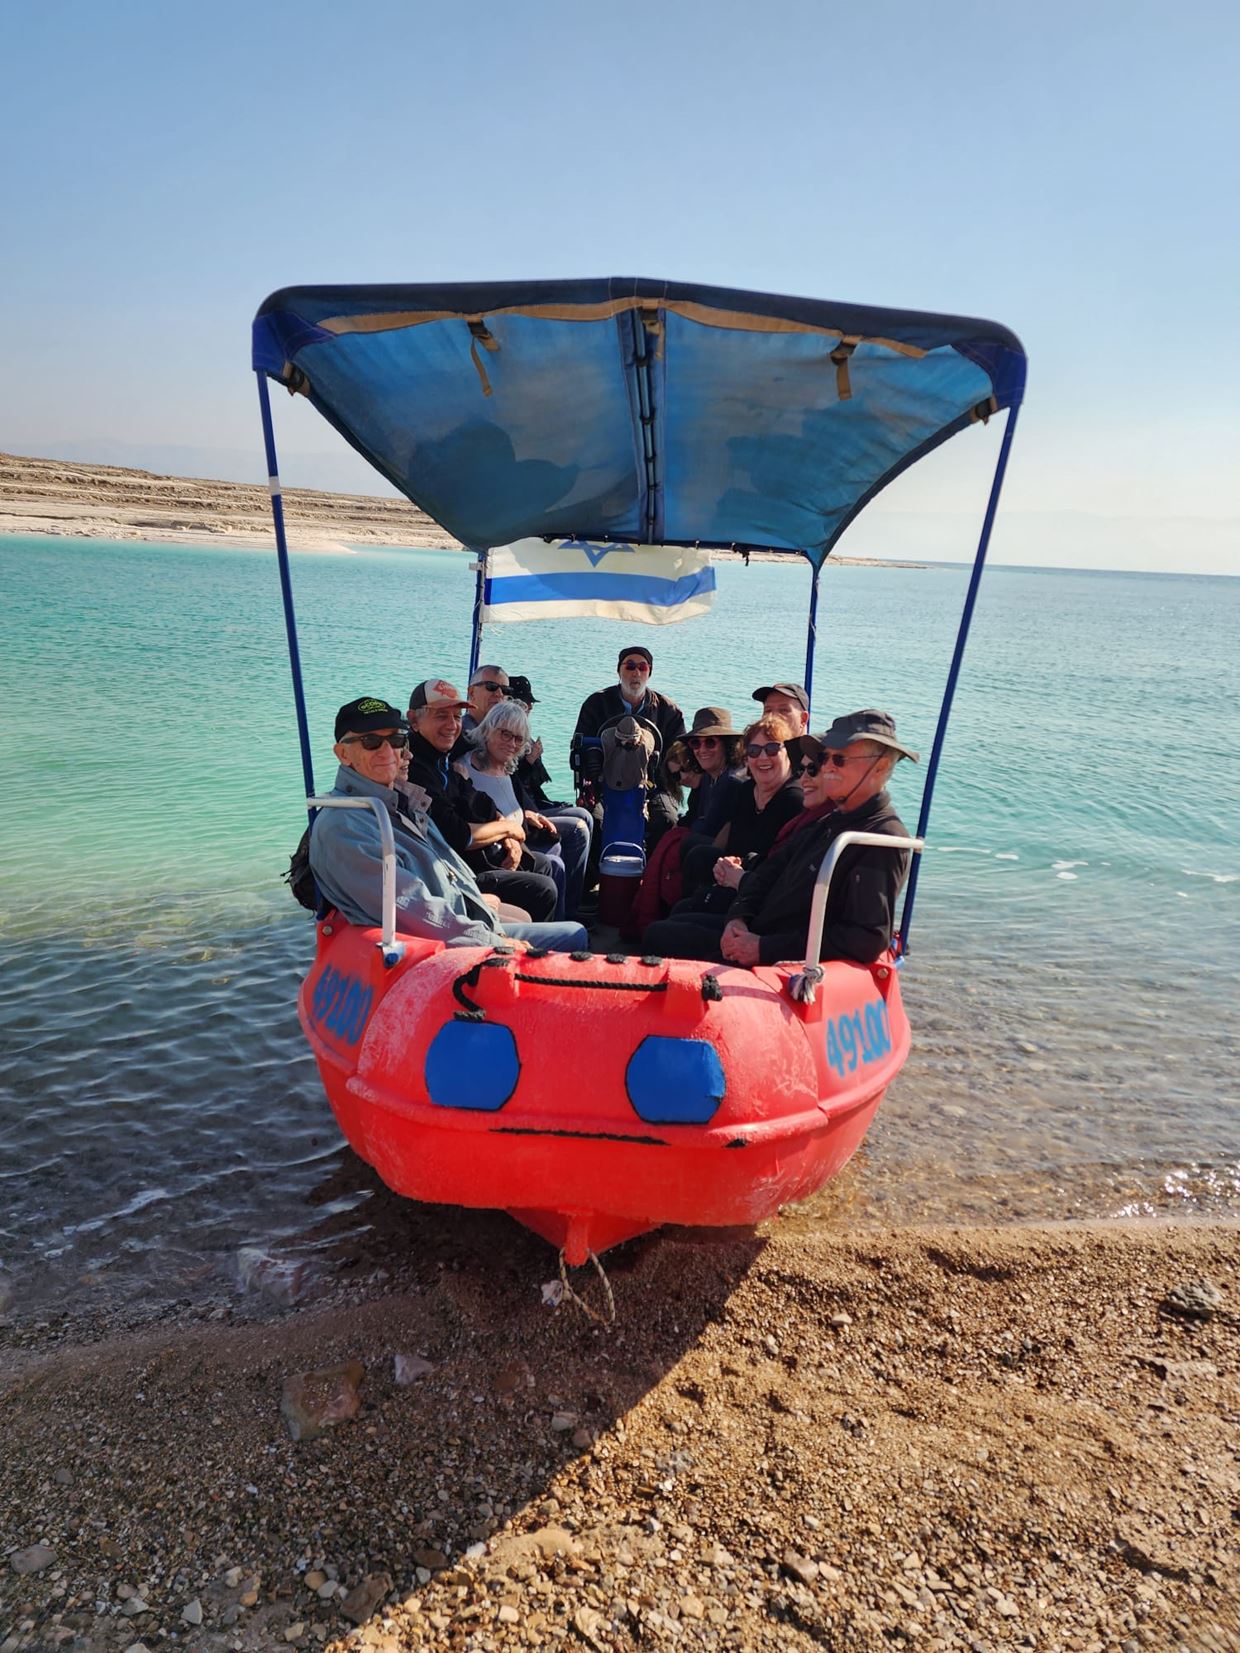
(632, 696)
(467, 818)
(769, 920)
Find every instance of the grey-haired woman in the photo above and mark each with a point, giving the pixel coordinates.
(497, 744)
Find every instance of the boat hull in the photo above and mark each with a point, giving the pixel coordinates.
(595, 1099)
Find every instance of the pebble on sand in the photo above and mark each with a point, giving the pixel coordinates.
(408, 1368)
(800, 1567)
(362, 1600)
(33, 1559)
(286, 1280)
(1193, 1300)
(316, 1401)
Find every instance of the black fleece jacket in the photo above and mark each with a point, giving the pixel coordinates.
(606, 704)
(454, 802)
(774, 899)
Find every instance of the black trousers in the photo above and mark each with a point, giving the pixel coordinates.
(687, 936)
(534, 891)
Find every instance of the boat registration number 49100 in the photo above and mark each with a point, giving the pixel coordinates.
(341, 1004)
(858, 1036)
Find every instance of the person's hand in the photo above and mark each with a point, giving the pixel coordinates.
(510, 854)
(492, 901)
(534, 751)
(540, 823)
(515, 944)
(516, 826)
(739, 945)
(728, 871)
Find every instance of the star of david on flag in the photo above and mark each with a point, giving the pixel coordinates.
(576, 579)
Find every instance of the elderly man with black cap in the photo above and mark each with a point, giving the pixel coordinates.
(632, 696)
(847, 767)
(437, 895)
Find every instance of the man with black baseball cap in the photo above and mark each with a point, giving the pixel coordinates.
(436, 893)
(632, 696)
(786, 700)
(769, 920)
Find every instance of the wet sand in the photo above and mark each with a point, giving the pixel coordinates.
(933, 1439)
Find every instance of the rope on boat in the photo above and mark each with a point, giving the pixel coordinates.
(607, 1319)
(803, 986)
(472, 1012)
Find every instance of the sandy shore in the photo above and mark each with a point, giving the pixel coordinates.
(52, 496)
(934, 1439)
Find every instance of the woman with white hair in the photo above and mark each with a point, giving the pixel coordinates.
(558, 848)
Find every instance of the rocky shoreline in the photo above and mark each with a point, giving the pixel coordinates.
(942, 1439)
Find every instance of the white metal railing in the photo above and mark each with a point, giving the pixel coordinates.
(802, 985)
(392, 949)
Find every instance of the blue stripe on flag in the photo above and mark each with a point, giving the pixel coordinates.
(598, 587)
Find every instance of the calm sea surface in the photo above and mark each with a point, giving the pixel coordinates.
(1072, 982)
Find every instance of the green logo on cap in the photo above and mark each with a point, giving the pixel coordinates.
(373, 706)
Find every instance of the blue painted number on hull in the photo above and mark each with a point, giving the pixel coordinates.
(340, 1004)
(858, 1036)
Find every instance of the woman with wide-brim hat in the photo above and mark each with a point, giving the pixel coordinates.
(715, 746)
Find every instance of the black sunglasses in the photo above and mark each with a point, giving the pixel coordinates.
(634, 665)
(764, 748)
(494, 688)
(372, 743)
(837, 759)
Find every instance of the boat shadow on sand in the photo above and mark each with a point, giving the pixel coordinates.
(479, 1406)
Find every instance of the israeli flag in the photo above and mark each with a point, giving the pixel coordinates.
(572, 579)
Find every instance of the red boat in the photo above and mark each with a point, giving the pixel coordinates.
(593, 1099)
(597, 1097)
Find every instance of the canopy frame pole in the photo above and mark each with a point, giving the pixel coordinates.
(475, 640)
(286, 583)
(811, 635)
(940, 733)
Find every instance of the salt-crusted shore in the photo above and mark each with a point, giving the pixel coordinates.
(936, 1439)
(52, 496)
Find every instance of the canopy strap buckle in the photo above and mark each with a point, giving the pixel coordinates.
(840, 356)
(480, 334)
(653, 324)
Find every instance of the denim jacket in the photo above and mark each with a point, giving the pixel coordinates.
(436, 894)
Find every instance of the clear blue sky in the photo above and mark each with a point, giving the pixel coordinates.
(1070, 170)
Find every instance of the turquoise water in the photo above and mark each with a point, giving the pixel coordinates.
(1075, 954)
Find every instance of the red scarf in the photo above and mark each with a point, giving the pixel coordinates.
(807, 817)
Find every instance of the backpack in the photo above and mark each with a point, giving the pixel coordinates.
(299, 878)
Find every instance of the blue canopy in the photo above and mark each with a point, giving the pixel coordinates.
(664, 413)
